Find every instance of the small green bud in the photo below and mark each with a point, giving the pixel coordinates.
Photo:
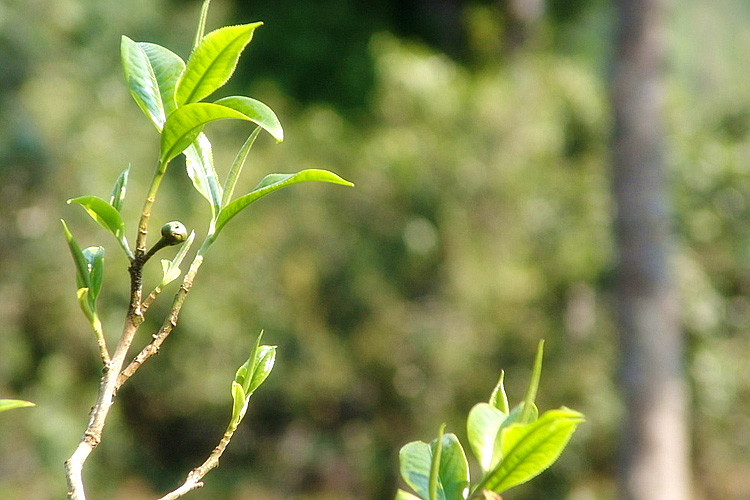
(173, 233)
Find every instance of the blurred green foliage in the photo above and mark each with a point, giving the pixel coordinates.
(480, 224)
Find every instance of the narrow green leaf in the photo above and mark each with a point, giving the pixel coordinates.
(81, 265)
(11, 404)
(213, 61)
(94, 257)
(498, 398)
(238, 404)
(201, 24)
(454, 468)
(245, 372)
(185, 124)
(405, 495)
(141, 81)
(269, 184)
(436, 448)
(257, 112)
(237, 164)
(531, 448)
(119, 190)
(102, 212)
(167, 67)
(536, 375)
(482, 426)
(199, 162)
(415, 460)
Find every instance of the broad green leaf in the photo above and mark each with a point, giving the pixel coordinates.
(81, 265)
(185, 124)
(237, 164)
(212, 62)
(514, 417)
(415, 461)
(171, 268)
(94, 257)
(245, 372)
(256, 112)
(405, 495)
(269, 184)
(199, 162)
(482, 426)
(141, 81)
(238, 404)
(265, 358)
(536, 375)
(529, 449)
(454, 468)
(119, 190)
(102, 212)
(10, 404)
(167, 67)
(498, 398)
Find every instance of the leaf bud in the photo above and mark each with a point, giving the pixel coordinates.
(173, 233)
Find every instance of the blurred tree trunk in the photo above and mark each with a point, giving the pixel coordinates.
(655, 451)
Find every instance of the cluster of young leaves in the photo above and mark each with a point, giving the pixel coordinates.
(171, 93)
(512, 446)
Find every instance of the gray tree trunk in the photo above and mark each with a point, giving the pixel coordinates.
(655, 451)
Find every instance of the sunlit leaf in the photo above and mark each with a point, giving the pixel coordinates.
(213, 61)
(514, 417)
(171, 268)
(167, 67)
(405, 495)
(102, 212)
(269, 184)
(183, 126)
(199, 162)
(415, 461)
(482, 426)
(117, 197)
(141, 81)
(454, 468)
(10, 404)
(264, 361)
(529, 449)
(257, 112)
(201, 24)
(498, 398)
(536, 374)
(238, 403)
(237, 164)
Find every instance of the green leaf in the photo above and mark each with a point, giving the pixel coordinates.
(482, 426)
(102, 212)
(171, 268)
(257, 112)
(201, 24)
(213, 61)
(454, 468)
(94, 257)
(199, 162)
(514, 417)
(536, 375)
(529, 449)
(498, 398)
(167, 67)
(436, 447)
(237, 164)
(10, 404)
(269, 184)
(239, 403)
(415, 461)
(119, 190)
(81, 265)
(264, 361)
(185, 124)
(141, 81)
